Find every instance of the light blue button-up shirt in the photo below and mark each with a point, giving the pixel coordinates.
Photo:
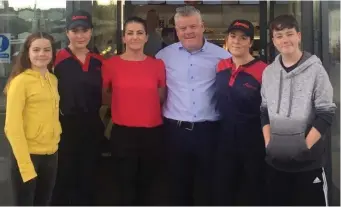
(190, 78)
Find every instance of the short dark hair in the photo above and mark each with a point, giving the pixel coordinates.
(285, 21)
(136, 20)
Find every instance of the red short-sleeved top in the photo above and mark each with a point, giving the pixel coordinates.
(135, 99)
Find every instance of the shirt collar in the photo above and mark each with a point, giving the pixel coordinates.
(204, 47)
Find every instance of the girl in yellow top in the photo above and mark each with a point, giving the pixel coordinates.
(32, 121)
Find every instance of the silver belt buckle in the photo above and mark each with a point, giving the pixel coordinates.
(191, 128)
(178, 123)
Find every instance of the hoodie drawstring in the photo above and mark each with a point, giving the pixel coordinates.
(290, 96)
(279, 92)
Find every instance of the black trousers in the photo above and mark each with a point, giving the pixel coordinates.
(137, 158)
(78, 155)
(239, 174)
(38, 191)
(190, 151)
(307, 188)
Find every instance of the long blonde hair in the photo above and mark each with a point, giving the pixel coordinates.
(23, 62)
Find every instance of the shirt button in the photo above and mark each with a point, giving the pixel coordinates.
(195, 116)
(193, 102)
(192, 89)
(192, 77)
(191, 64)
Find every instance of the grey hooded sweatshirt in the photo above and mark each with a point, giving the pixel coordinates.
(293, 102)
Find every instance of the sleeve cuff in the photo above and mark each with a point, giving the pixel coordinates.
(321, 125)
(28, 173)
(323, 121)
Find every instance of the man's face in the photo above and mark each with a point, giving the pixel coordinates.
(190, 31)
(287, 41)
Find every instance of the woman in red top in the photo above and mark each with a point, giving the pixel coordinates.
(137, 83)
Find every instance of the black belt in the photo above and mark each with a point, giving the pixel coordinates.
(187, 125)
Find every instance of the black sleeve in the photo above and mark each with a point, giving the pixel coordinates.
(323, 121)
(264, 116)
(323, 101)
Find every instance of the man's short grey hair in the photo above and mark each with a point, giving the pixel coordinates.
(186, 11)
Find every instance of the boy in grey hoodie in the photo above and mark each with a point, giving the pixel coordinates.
(297, 108)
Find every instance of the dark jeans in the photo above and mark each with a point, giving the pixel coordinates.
(38, 191)
(137, 157)
(78, 155)
(190, 150)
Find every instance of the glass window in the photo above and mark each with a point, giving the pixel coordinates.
(104, 15)
(334, 74)
(20, 18)
(288, 7)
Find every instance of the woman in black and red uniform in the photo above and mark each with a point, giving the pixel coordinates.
(138, 85)
(80, 87)
(240, 156)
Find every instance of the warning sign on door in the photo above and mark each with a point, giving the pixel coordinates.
(5, 48)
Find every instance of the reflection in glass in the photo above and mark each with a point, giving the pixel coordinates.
(21, 18)
(104, 14)
(334, 74)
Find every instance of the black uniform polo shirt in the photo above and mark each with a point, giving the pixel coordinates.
(79, 85)
(238, 90)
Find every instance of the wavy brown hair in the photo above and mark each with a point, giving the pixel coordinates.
(23, 62)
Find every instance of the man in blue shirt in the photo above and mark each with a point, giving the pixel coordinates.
(190, 110)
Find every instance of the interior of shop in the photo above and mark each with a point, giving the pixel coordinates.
(216, 18)
(217, 15)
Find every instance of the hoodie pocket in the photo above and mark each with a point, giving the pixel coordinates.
(32, 132)
(286, 147)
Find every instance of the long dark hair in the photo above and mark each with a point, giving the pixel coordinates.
(23, 62)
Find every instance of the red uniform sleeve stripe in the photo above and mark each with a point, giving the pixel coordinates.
(223, 65)
(61, 55)
(256, 70)
(98, 57)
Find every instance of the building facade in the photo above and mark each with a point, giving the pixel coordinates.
(321, 36)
